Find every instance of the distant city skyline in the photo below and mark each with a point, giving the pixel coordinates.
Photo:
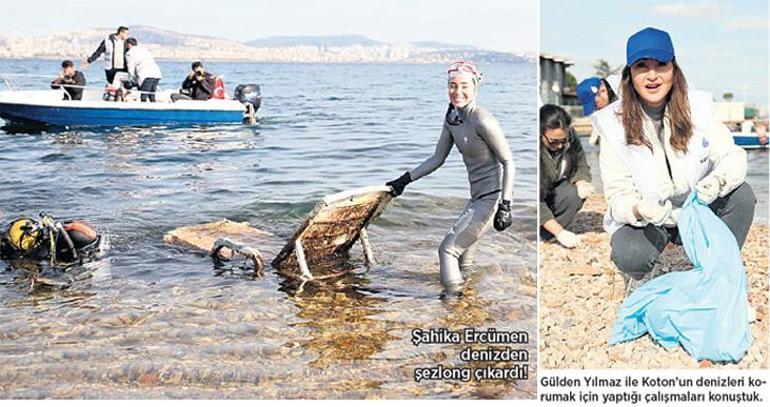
(721, 46)
(500, 25)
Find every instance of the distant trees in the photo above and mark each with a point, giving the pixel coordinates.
(569, 80)
(603, 69)
(727, 96)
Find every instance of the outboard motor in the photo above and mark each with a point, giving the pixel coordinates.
(250, 94)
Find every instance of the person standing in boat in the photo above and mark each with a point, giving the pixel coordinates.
(113, 50)
(69, 76)
(142, 69)
(660, 142)
(487, 156)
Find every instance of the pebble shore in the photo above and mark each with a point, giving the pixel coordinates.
(581, 291)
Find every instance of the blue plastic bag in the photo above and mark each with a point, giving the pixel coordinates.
(705, 310)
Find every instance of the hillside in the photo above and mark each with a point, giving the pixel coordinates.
(166, 44)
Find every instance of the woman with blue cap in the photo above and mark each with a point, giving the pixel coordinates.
(595, 94)
(661, 141)
(487, 157)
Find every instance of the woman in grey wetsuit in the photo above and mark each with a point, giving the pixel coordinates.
(488, 160)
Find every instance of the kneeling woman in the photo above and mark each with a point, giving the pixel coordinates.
(659, 143)
(487, 157)
(565, 178)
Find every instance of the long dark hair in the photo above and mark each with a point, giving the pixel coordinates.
(553, 117)
(610, 92)
(678, 111)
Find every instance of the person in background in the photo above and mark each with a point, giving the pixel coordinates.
(660, 143)
(69, 76)
(198, 85)
(595, 94)
(113, 48)
(565, 177)
(142, 70)
(761, 130)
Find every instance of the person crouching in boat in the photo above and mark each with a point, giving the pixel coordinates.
(487, 156)
(660, 142)
(565, 177)
(142, 69)
(198, 85)
(66, 242)
(69, 76)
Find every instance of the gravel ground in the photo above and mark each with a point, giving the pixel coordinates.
(581, 291)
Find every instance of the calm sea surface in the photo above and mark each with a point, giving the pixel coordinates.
(151, 320)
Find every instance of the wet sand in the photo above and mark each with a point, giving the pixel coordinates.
(581, 291)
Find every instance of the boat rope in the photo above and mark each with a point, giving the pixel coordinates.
(7, 79)
(105, 88)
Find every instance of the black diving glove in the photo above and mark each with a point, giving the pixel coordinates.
(398, 184)
(503, 217)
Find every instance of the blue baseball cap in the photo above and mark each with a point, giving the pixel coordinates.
(586, 92)
(649, 43)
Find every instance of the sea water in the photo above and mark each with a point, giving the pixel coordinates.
(151, 320)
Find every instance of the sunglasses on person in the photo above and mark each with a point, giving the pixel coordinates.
(560, 142)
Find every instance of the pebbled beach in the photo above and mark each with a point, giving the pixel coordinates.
(581, 291)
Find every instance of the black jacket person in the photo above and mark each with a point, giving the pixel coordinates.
(565, 178)
(198, 85)
(69, 76)
(113, 51)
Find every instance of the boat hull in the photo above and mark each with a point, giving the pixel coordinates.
(747, 140)
(100, 116)
(49, 108)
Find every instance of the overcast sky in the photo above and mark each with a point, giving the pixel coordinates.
(501, 25)
(722, 46)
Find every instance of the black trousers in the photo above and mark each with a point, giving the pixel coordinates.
(635, 249)
(110, 73)
(149, 85)
(564, 202)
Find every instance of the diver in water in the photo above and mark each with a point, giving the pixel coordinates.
(489, 162)
(60, 242)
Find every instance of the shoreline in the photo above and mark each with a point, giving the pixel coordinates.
(581, 291)
(271, 62)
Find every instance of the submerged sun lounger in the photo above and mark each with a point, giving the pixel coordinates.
(322, 240)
